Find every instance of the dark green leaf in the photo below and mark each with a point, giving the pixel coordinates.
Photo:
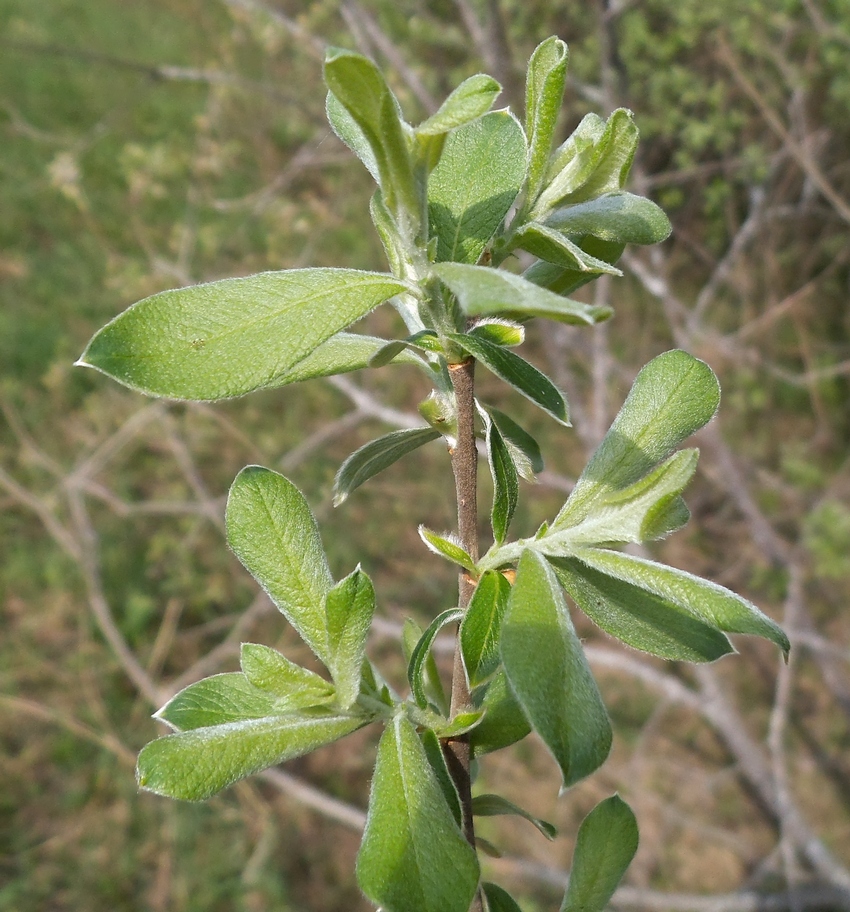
(495, 805)
(349, 608)
(413, 857)
(562, 280)
(544, 91)
(523, 448)
(482, 291)
(474, 185)
(376, 456)
(447, 547)
(607, 842)
(227, 338)
(557, 248)
(194, 765)
(505, 481)
(671, 398)
(272, 531)
(548, 672)
(437, 761)
(619, 218)
(421, 652)
(469, 101)
(504, 722)
(517, 372)
(482, 623)
(498, 900)
(429, 675)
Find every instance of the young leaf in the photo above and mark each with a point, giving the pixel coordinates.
(361, 89)
(505, 481)
(495, 806)
(422, 651)
(673, 396)
(563, 280)
(557, 248)
(268, 670)
(273, 533)
(448, 548)
(607, 842)
(518, 373)
(376, 456)
(470, 100)
(429, 674)
(231, 697)
(548, 672)
(349, 607)
(619, 218)
(413, 857)
(474, 185)
(481, 627)
(544, 91)
(499, 900)
(482, 291)
(499, 332)
(346, 128)
(227, 338)
(194, 765)
(523, 448)
(703, 599)
(437, 761)
(504, 721)
(641, 619)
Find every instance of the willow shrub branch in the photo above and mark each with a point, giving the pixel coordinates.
(468, 186)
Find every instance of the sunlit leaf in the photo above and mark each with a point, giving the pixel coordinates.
(267, 669)
(349, 607)
(413, 857)
(555, 247)
(446, 546)
(544, 91)
(618, 218)
(470, 100)
(422, 650)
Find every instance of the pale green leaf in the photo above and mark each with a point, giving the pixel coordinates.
(518, 373)
(194, 765)
(447, 547)
(618, 218)
(416, 668)
(563, 280)
(227, 338)
(470, 100)
(273, 533)
(413, 857)
(496, 806)
(474, 185)
(557, 248)
(671, 398)
(349, 607)
(607, 842)
(268, 670)
(499, 332)
(346, 128)
(504, 721)
(548, 672)
(377, 455)
(482, 291)
(481, 627)
(544, 91)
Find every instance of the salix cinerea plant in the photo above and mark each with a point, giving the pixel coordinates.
(456, 197)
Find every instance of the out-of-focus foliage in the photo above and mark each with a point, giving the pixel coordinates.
(150, 144)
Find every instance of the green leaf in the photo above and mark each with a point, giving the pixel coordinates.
(349, 607)
(504, 722)
(607, 842)
(557, 248)
(481, 627)
(482, 291)
(671, 398)
(422, 651)
(495, 806)
(346, 128)
(413, 857)
(595, 160)
(499, 332)
(544, 91)
(429, 675)
(651, 622)
(561, 279)
(706, 601)
(619, 218)
(645, 510)
(273, 533)
(548, 672)
(474, 185)
(470, 100)
(376, 456)
(505, 480)
(194, 765)
(499, 900)
(232, 698)
(437, 761)
(523, 448)
(268, 670)
(361, 89)
(227, 338)
(518, 373)
(447, 547)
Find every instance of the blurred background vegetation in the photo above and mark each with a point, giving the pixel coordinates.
(155, 143)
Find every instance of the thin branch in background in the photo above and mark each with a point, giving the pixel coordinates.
(306, 39)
